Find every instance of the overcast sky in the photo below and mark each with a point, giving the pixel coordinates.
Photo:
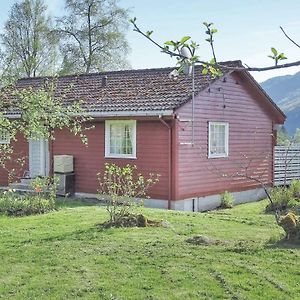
(247, 29)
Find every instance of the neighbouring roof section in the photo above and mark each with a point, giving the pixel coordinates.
(146, 90)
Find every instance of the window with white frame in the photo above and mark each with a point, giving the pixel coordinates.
(218, 139)
(120, 139)
(4, 137)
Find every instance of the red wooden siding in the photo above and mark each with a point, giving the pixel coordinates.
(21, 150)
(250, 139)
(185, 169)
(152, 155)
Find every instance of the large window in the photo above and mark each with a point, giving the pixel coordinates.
(120, 139)
(4, 137)
(217, 139)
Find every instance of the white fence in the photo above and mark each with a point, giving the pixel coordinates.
(286, 164)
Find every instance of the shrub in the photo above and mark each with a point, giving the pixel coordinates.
(45, 187)
(40, 201)
(295, 189)
(282, 198)
(122, 187)
(227, 200)
(13, 204)
(290, 224)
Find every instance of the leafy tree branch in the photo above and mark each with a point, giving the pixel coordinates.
(191, 58)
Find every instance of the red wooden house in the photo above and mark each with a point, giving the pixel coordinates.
(146, 118)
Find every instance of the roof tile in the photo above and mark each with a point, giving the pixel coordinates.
(130, 90)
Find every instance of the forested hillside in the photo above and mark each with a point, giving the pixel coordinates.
(285, 91)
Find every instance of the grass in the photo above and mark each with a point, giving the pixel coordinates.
(65, 255)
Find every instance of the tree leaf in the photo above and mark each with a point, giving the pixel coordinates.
(184, 39)
(170, 43)
(194, 45)
(166, 49)
(133, 20)
(274, 51)
(148, 33)
(281, 56)
(176, 45)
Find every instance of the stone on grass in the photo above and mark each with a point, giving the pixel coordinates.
(201, 240)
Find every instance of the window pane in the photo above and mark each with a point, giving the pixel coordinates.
(128, 139)
(121, 138)
(217, 139)
(4, 137)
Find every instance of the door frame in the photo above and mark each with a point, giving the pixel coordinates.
(44, 158)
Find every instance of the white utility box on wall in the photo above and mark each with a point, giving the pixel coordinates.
(63, 164)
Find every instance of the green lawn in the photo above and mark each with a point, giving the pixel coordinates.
(64, 255)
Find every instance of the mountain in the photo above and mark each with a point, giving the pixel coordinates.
(285, 91)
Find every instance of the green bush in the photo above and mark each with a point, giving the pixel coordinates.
(227, 200)
(13, 204)
(290, 224)
(45, 187)
(123, 188)
(282, 198)
(295, 189)
(41, 200)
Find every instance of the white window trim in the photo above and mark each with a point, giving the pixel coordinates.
(107, 139)
(6, 140)
(226, 140)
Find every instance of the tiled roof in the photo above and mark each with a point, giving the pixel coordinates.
(126, 91)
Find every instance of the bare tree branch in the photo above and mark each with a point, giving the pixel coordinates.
(77, 40)
(289, 38)
(287, 65)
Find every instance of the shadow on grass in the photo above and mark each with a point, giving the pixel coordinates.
(78, 235)
(285, 244)
(72, 202)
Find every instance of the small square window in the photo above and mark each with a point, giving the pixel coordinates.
(120, 139)
(4, 137)
(218, 139)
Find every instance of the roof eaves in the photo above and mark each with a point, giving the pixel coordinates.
(141, 113)
(13, 116)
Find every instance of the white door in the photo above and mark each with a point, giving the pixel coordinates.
(38, 158)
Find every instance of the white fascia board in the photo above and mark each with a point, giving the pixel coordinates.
(146, 113)
(12, 116)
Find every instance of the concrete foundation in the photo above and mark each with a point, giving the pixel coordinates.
(213, 201)
(156, 203)
(151, 203)
(197, 203)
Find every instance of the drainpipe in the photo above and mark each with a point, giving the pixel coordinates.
(170, 159)
(193, 104)
(51, 169)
